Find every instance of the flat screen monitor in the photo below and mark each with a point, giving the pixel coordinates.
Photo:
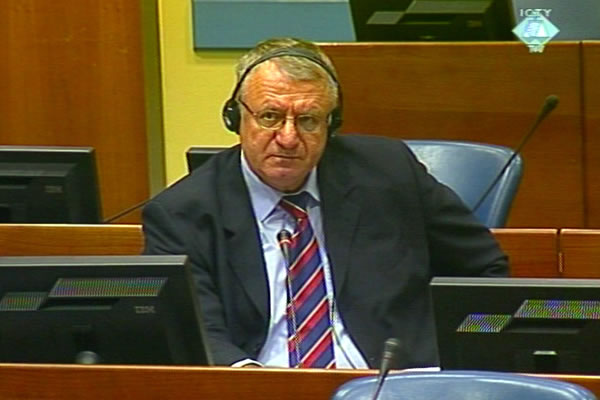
(432, 20)
(196, 156)
(45, 184)
(100, 310)
(518, 324)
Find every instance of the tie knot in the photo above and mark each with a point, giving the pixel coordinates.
(296, 204)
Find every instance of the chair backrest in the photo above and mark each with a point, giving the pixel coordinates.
(198, 155)
(462, 385)
(469, 168)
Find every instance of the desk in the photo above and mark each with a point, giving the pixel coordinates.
(69, 239)
(71, 382)
(580, 253)
(532, 252)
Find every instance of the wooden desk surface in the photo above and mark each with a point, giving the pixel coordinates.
(69, 239)
(71, 382)
(52, 382)
(580, 253)
(532, 252)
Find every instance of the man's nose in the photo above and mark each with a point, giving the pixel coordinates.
(288, 135)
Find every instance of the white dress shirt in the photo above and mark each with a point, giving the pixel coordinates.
(271, 219)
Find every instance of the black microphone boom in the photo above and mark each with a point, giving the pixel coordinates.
(125, 212)
(136, 206)
(550, 104)
(391, 348)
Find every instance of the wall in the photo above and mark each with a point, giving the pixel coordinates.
(195, 85)
(71, 75)
(483, 92)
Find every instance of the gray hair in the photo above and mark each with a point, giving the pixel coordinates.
(296, 68)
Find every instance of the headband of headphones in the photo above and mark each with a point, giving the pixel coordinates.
(231, 110)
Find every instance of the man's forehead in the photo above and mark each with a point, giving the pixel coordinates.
(272, 80)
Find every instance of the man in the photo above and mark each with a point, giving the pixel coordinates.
(321, 278)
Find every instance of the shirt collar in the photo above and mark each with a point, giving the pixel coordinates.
(264, 198)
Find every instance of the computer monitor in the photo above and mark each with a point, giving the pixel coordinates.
(518, 324)
(432, 20)
(197, 155)
(49, 184)
(100, 310)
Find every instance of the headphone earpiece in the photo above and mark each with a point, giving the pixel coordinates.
(231, 115)
(231, 110)
(335, 121)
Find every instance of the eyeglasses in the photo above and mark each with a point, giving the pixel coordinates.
(273, 120)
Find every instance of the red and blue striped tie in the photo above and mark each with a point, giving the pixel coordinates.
(310, 339)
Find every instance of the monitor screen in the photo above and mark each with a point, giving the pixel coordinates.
(100, 310)
(518, 324)
(196, 156)
(432, 20)
(48, 185)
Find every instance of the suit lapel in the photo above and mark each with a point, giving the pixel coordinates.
(340, 214)
(243, 246)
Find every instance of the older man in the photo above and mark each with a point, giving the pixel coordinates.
(310, 249)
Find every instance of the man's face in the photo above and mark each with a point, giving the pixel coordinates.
(283, 157)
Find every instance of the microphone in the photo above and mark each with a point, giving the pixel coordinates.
(126, 211)
(284, 238)
(134, 207)
(391, 348)
(550, 104)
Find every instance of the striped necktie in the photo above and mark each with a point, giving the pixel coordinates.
(310, 340)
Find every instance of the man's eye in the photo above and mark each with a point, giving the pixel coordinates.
(309, 122)
(270, 116)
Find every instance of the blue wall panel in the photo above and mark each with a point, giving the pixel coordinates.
(242, 23)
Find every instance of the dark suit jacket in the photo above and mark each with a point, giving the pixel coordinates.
(389, 227)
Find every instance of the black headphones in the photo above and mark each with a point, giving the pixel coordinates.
(231, 110)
